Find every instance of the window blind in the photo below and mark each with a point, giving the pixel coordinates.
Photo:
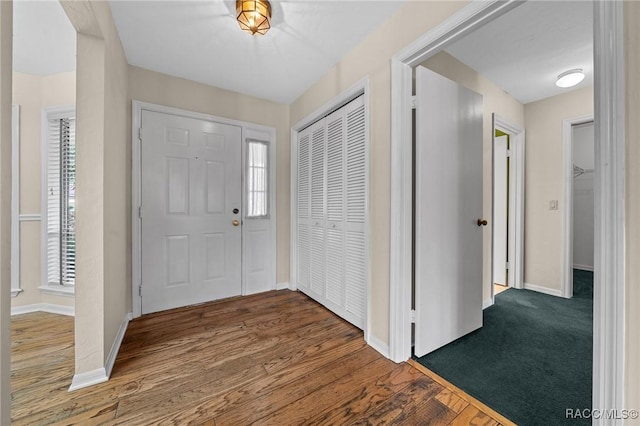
(61, 179)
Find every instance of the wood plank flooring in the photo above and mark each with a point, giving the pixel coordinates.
(277, 358)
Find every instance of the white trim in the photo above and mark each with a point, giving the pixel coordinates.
(31, 217)
(542, 289)
(44, 307)
(588, 268)
(463, 22)
(136, 112)
(58, 290)
(609, 192)
(609, 300)
(361, 87)
(115, 348)
(283, 286)
(516, 201)
(90, 378)
(378, 345)
(567, 189)
(488, 303)
(15, 200)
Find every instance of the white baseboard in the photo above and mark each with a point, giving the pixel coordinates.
(283, 286)
(115, 348)
(541, 289)
(584, 267)
(487, 303)
(378, 345)
(44, 307)
(87, 379)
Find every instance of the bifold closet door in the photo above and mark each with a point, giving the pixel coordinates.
(331, 237)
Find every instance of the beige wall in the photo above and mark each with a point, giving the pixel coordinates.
(162, 89)
(102, 226)
(495, 100)
(371, 59)
(33, 93)
(632, 278)
(6, 31)
(544, 182)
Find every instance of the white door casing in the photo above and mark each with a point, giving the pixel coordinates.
(500, 208)
(609, 300)
(448, 254)
(191, 237)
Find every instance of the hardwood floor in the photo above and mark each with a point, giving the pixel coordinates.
(277, 358)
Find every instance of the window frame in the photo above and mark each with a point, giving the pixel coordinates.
(48, 114)
(267, 171)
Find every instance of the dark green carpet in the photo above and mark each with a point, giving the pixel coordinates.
(531, 360)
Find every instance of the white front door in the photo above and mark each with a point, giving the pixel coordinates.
(191, 211)
(448, 205)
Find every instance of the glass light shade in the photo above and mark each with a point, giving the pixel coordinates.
(570, 78)
(254, 16)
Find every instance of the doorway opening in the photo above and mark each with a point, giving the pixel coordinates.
(507, 239)
(607, 337)
(578, 143)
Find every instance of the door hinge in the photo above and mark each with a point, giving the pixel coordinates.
(506, 265)
(413, 316)
(508, 153)
(413, 102)
(140, 290)
(140, 212)
(140, 134)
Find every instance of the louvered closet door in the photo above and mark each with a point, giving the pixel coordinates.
(303, 267)
(318, 211)
(355, 246)
(331, 240)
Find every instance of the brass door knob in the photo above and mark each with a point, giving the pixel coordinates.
(482, 222)
(235, 222)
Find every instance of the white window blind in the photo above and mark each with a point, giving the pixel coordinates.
(60, 209)
(257, 179)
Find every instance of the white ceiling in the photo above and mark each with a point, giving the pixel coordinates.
(524, 51)
(201, 41)
(44, 41)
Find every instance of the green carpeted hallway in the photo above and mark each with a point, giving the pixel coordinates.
(531, 360)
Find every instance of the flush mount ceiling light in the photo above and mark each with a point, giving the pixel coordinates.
(254, 16)
(570, 78)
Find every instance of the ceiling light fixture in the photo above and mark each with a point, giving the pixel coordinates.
(254, 16)
(570, 78)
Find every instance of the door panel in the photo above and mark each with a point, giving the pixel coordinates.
(448, 203)
(191, 182)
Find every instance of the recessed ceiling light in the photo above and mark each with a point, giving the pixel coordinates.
(570, 78)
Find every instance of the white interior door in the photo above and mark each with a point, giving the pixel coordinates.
(500, 209)
(448, 205)
(191, 211)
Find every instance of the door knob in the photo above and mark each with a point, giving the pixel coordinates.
(482, 222)
(235, 222)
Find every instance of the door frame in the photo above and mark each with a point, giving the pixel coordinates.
(609, 113)
(360, 88)
(248, 131)
(516, 200)
(567, 218)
